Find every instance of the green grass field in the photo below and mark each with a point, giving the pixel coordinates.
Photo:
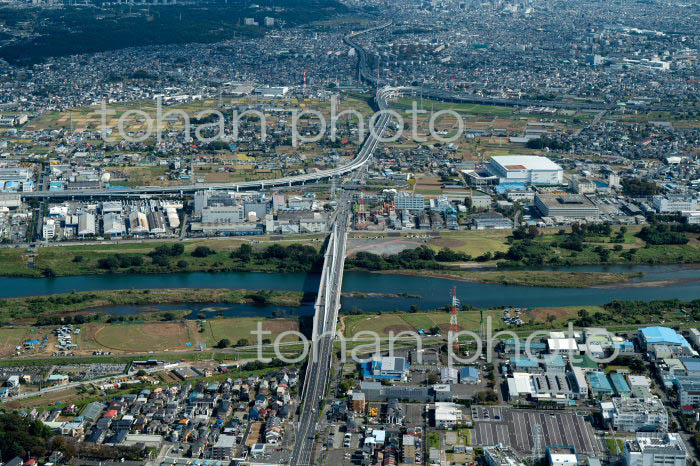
(242, 328)
(403, 321)
(14, 262)
(475, 109)
(474, 243)
(419, 321)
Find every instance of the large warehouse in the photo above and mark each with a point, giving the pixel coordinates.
(530, 169)
(566, 205)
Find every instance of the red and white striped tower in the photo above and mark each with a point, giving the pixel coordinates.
(454, 327)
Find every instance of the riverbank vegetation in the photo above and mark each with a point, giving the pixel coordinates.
(541, 278)
(178, 337)
(62, 308)
(529, 247)
(598, 244)
(577, 245)
(164, 257)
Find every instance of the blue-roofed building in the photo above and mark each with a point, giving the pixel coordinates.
(523, 364)
(624, 347)
(504, 187)
(56, 186)
(536, 347)
(554, 363)
(391, 368)
(661, 336)
(469, 375)
(620, 384)
(692, 366)
(600, 385)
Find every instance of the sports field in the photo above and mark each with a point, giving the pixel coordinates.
(140, 337)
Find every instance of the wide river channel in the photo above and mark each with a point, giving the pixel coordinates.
(427, 293)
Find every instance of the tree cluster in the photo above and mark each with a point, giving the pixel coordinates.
(120, 261)
(662, 234)
(19, 436)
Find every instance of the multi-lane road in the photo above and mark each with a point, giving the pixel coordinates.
(325, 319)
(330, 288)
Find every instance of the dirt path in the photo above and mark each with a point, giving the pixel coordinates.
(341, 329)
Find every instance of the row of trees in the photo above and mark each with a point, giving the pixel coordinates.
(160, 256)
(77, 319)
(292, 258)
(662, 234)
(418, 258)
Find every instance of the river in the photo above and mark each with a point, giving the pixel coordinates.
(434, 292)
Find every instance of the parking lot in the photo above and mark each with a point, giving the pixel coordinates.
(515, 428)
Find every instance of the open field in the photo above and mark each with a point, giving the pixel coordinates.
(473, 109)
(139, 336)
(14, 262)
(83, 259)
(399, 322)
(13, 337)
(536, 318)
(153, 336)
(474, 243)
(242, 328)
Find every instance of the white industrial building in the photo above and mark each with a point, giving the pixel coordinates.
(579, 385)
(674, 203)
(562, 456)
(566, 205)
(448, 375)
(113, 224)
(49, 229)
(529, 169)
(10, 200)
(635, 414)
(223, 214)
(655, 449)
(86, 224)
(447, 415)
(406, 201)
(640, 386)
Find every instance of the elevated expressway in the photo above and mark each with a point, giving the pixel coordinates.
(324, 328)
